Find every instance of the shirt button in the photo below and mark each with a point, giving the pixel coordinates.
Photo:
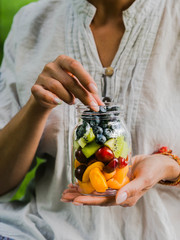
(109, 71)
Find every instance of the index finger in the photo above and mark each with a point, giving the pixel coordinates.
(74, 67)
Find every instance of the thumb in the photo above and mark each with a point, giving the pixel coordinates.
(131, 189)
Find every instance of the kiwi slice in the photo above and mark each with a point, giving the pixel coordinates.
(76, 145)
(116, 145)
(125, 150)
(90, 149)
(87, 138)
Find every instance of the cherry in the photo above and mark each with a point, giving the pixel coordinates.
(104, 154)
(80, 156)
(80, 171)
(123, 162)
(111, 166)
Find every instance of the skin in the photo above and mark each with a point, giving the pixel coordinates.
(64, 79)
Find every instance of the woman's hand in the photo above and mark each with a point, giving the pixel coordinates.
(147, 170)
(64, 80)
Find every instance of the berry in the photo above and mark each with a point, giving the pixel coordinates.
(97, 130)
(102, 109)
(80, 156)
(104, 154)
(80, 171)
(94, 121)
(107, 133)
(104, 124)
(123, 162)
(80, 131)
(111, 166)
(100, 139)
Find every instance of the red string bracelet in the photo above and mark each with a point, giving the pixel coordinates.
(166, 151)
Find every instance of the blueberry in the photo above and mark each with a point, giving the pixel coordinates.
(107, 133)
(102, 109)
(115, 108)
(95, 121)
(104, 124)
(97, 130)
(80, 131)
(85, 124)
(100, 139)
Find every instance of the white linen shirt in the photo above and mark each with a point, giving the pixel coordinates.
(146, 82)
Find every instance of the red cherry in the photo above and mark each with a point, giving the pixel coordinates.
(111, 166)
(104, 154)
(123, 162)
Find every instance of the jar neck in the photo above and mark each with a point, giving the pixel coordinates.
(108, 112)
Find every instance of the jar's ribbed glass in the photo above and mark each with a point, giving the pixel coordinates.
(101, 151)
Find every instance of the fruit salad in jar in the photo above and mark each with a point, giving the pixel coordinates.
(101, 151)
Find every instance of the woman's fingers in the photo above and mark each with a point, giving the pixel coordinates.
(67, 79)
(55, 86)
(44, 97)
(131, 192)
(74, 67)
(72, 84)
(91, 200)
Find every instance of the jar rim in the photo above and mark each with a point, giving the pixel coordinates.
(81, 108)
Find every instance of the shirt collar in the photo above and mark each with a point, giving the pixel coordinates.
(136, 13)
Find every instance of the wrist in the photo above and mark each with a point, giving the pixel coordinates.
(172, 170)
(37, 108)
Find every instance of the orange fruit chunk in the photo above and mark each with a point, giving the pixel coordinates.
(99, 165)
(121, 174)
(114, 184)
(86, 188)
(76, 163)
(109, 175)
(98, 180)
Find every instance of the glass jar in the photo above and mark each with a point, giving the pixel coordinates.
(101, 152)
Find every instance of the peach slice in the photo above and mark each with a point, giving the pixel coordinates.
(114, 184)
(98, 180)
(86, 188)
(85, 177)
(121, 174)
(109, 175)
(76, 163)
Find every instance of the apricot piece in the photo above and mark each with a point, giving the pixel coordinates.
(85, 177)
(114, 184)
(76, 163)
(98, 180)
(86, 188)
(109, 175)
(121, 174)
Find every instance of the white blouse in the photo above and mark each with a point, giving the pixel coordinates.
(146, 82)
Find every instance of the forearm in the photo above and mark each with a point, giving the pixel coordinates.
(19, 140)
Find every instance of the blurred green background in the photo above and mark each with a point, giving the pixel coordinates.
(8, 8)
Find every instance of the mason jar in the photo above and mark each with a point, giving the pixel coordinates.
(101, 151)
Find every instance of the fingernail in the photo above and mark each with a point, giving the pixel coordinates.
(58, 101)
(92, 87)
(94, 106)
(77, 203)
(121, 198)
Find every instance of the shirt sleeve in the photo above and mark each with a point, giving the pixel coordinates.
(9, 104)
